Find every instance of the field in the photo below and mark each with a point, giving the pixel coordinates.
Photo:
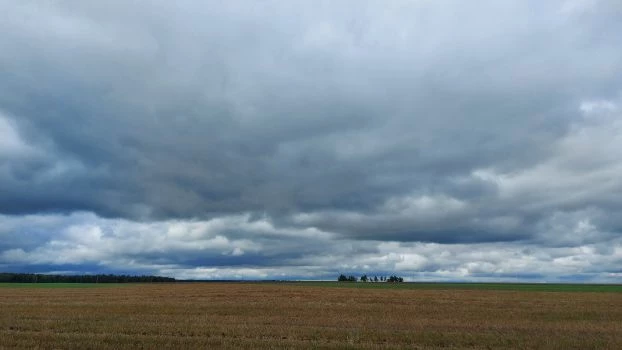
(61, 285)
(535, 287)
(310, 315)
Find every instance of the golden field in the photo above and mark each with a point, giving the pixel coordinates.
(265, 315)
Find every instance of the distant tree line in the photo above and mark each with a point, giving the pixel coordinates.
(44, 278)
(365, 278)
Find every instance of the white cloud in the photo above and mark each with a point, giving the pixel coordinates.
(121, 245)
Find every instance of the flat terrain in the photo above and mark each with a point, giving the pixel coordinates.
(307, 315)
(537, 287)
(61, 285)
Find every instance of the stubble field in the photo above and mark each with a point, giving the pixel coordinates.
(262, 315)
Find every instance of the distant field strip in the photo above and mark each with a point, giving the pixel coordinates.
(290, 316)
(537, 287)
(62, 285)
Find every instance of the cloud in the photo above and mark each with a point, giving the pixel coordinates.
(11, 144)
(253, 248)
(415, 122)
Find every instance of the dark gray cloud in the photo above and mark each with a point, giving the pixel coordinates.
(414, 121)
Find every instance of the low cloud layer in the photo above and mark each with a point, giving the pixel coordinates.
(295, 140)
(253, 248)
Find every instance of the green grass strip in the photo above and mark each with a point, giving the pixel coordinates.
(61, 285)
(535, 287)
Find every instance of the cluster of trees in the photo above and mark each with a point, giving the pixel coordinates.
(344, 278)
(365, 278)
(395, 279)
(42, 278)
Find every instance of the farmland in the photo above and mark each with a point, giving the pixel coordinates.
(310, 315)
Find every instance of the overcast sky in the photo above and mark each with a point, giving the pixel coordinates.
(436, 140)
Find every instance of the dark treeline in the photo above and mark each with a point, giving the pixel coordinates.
(43, 278)
(365, 278)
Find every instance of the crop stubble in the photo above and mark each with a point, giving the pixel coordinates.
(241, 315)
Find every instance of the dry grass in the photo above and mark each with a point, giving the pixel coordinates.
(284, 316)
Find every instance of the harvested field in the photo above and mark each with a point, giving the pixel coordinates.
(247, 315)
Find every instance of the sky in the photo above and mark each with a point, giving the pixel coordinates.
(436, 140)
